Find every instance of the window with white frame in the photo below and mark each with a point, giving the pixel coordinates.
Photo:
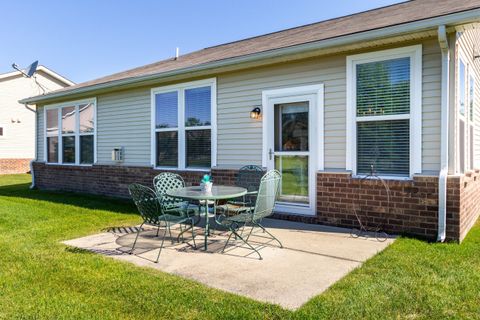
(462, 120)
(384, 112)
(70, 133)
(471, 120)
(183, 125)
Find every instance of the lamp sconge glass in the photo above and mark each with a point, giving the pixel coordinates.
(255, 113)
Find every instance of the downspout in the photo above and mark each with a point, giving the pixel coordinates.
(442, 181)
(35, 155)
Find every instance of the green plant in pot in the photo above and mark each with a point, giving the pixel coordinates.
(206, 183)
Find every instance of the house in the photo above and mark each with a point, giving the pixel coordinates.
(393, 91)
(17, 122)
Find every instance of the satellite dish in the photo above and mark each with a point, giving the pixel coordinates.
(29, 71)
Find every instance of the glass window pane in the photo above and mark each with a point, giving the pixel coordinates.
(52, 149)
(52, 121)
(197, 107)
(294, 184)
(86, 149)
(68, 120)
(198, 147)
(383, 87)
(86, 118)
(291, 126)
(385, 146)
(462, 90)
(68, 149)
(167, 149)
(472, 97)
(166, 110)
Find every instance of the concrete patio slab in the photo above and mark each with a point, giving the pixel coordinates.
(313, 258)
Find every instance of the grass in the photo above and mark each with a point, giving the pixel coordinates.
(40, 278)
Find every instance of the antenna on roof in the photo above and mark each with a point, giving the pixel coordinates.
(29, 71)
(177, 53)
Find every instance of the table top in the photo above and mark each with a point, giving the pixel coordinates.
(217, 193)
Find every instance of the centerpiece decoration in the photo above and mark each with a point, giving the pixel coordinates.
(206, 183)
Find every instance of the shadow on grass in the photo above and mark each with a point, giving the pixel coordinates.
(82, 200)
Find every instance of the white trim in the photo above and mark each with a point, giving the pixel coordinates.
(181, 129)
(76, 134)
(44, 69)
(315, 95)
(415, 54)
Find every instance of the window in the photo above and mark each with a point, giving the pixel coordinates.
(461, 101)
(471, 121)
(384, 112)
(70, 133)
(183, 134)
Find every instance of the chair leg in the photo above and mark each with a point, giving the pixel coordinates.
(181, 233)
(248, 244)
(271, 235)
(170, 233)
(135, 242)
(193, 234)
(161, 245)
(226, 243)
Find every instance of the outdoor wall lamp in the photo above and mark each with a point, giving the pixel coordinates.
(255, 113)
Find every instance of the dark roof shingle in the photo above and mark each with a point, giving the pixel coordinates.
(397, 14)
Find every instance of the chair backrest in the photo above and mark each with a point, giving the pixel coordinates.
(249, 177)
(164, 182)
(267, 194)
(146, 201)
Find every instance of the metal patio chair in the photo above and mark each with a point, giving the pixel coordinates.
(154, 213)
(166, 181)
(264, 205)
(248, 177)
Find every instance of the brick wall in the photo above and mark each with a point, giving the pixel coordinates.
(99, 179)
(412, 209)
(469, 201)
(12, 166)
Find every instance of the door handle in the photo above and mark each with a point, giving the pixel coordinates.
(270, 154)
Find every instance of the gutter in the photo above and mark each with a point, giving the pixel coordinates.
(426, 24)
(442, 179)
(36, 146)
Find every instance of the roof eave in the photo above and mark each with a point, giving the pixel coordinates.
(451, 19)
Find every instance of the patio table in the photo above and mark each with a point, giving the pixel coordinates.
(217, 193)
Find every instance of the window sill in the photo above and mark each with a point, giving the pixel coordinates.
(68, 164)
(382, 177)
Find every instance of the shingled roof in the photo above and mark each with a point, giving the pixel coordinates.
(393, 15)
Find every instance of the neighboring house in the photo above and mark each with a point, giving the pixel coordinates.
(396, 88)
(17, 122)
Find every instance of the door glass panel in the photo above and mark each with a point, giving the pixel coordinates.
(294, 185)
(291, 126)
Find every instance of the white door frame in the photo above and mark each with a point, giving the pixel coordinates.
(315, 95)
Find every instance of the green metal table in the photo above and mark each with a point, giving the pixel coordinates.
(217, 193)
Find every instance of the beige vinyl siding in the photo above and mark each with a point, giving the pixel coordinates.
(431, 103)
(240, 138)
(40, 134)
(123, 120)
(468, 41)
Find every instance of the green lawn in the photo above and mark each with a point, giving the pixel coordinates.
(40, 278)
